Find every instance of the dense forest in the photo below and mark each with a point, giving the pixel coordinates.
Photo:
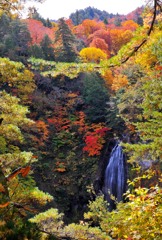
(71, 92)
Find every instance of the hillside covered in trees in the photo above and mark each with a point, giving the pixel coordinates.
(93, 13)
(70, 90)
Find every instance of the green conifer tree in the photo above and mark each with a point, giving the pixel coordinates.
(47, 48)
(65, 42)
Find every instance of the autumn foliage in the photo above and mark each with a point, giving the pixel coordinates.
(114, 80)
(92, 54)
(59, 121)
(101, 44)
(80, 100)
(38, 31)
(94, 140)
(108, 38)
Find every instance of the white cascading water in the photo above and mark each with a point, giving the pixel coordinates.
(115, 177)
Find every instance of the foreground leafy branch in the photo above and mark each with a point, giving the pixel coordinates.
(156, 6)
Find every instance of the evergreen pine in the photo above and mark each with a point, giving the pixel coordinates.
(47, 48)
(65, 50)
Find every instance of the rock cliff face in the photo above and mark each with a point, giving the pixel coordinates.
(102, 164)
(65, 111)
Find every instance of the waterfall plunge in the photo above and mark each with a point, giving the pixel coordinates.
(115, 177)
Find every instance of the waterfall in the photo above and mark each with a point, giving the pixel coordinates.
(115, 177)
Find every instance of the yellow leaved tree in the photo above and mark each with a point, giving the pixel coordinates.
(18, 190)
(92, 54)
